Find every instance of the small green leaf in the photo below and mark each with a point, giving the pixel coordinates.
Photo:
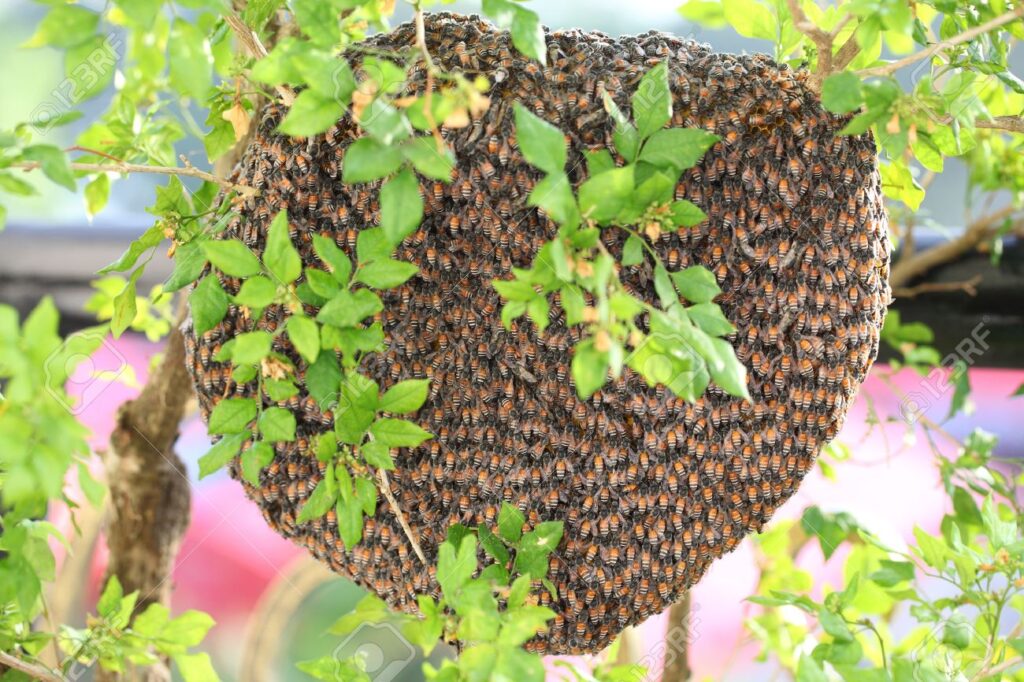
(841, 92)
(589, 369)
(349, 308)
(603, 196)
(398, 433)
(405, 397)
(320, 501)
(687, 214)
(96, 194)
(652, 101)
(125, 305)
(251, 347)
(696, 284)
(305, 336)
(189, 262)
(633, 251)
(254, 460)
(277, 424)
(311, 114)
(386, 274)
(510, 522)
(377, 455)
(333, 257)
(256, 292)
(542, 144)
(54, 163)
(232, 257)
(232, 415)
(221, 453)
(280, 256)
(64, 26)
(709, 317)
(424, 155)
(367, 160)
(401, 206)
(677, 148)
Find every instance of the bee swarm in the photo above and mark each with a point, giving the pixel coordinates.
(651, 489)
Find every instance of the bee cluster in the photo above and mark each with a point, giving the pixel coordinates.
(651, 489)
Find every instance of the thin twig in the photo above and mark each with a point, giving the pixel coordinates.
(255, 47)
(907, 269)
(189, 171)
(1014, 124)
(385, 489)
(821, 38)
(968, 35)
(970, 287)
(421, 43)
(33, 670)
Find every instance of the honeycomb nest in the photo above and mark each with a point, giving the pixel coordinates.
(651, 489)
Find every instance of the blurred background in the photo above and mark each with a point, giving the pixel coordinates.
(271, 604)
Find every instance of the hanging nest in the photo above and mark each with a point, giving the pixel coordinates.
(651, 489)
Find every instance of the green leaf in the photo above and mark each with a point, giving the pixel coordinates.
(750, 18)
(633, 251)
(189, 262)
(542, 144)
(401, 207)
(367, 160)
(603, 196)
(232, 415)
(841, 92)
(280, 256)
(424, 155)
(333, 257)
(221, 453)
(687, 214)
(709, 317)
(892, 573)
(510, 522)
(191, 62)
(398, 433)
(455, 567)
(808, 670)
(53, 162)
(277, 424)
(323, 379)
(254, 459)
(256, 292)
(96, 194)
(386, 274)
(729, 373)
(125, 308)
(589, 369)
(405, 396)
(251, 347)
(377, 455)
(652, 101)
(322, 284)
(15, 185)
(350, 521)
(524, 25)
(330, 669)
(696, 284)
(64, 26)
(554, 194)
(209, 304)
(677, 148)
(305, 336)
(195, 667)
(349, 308)
(311, 114)
(150, 238)
(232, 257)
(323, 497)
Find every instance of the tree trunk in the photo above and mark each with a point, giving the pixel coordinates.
(677, 642)
(149, 488)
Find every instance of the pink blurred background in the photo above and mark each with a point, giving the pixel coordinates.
(230, 559)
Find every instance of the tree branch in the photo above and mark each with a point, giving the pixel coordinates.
(969, 287)
(122, 167)
(969, 34)
(907, 269)
(36, 672)
(677, 655)
(822, 40)
(255, 47)
(149, 490)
